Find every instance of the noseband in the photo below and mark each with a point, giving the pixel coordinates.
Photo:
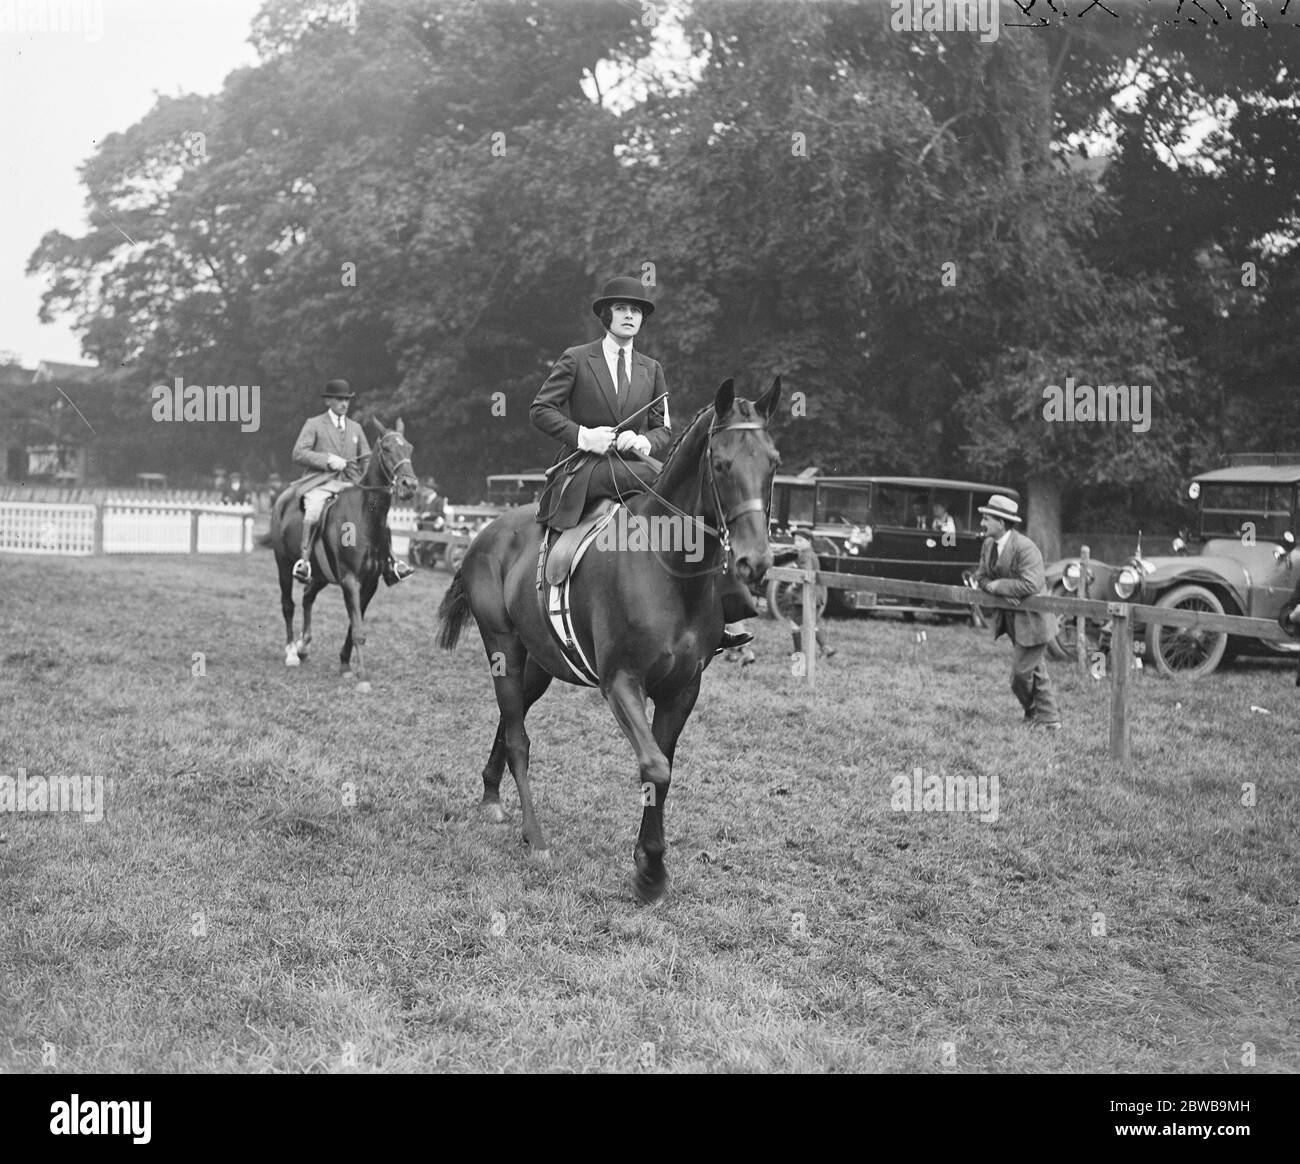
(748, 506)
(391, 486)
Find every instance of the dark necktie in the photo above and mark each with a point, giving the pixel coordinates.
(993, 556)
(623, 383)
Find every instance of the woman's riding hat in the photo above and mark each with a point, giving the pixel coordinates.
(338, 390)
(1003, 508)
(624, 289)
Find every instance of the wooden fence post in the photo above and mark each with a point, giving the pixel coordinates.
(1081, 623)
(810, 627)
(1121, 659)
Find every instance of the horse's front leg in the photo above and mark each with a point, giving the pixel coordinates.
(314, 587)
(356, 596)
(626, 697)
(286, 608)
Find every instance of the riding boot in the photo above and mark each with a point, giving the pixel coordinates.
(302, 567)
(737, 602)
(797, 638)
(737, 605)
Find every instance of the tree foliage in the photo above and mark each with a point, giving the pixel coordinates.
(914, 229)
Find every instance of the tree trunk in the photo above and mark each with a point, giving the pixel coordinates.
(1044, 524)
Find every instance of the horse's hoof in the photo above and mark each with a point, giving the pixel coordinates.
(648, 892)
(363, 688)
(493, 813)
(292, 661)
(541, 856)
(347, 673)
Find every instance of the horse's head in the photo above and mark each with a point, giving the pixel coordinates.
(391, 461)
(742, 461)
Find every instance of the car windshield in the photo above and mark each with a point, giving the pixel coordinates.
(801, 506)
(1227, 510)
(843, 505)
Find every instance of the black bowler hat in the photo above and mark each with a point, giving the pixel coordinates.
(338, 390)
(624, 289)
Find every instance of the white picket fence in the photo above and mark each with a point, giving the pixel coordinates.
(131, 525)
(30, 527)
(125, 526)
(401, 521)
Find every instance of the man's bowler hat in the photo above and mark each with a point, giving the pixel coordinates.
(624, 289)
(338, 390)
(1003, 508)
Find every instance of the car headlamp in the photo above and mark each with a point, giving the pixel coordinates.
(1070, 578)
(1126, 582)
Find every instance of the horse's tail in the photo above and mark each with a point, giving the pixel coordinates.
(452, 613)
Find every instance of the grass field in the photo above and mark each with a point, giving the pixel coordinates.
(239, 908)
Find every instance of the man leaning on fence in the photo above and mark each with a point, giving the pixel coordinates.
(1011, 567)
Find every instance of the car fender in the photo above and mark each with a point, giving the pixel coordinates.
(1222, 574)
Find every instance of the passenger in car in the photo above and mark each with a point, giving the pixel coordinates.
(942, 521)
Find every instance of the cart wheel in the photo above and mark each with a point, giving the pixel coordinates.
(785, 600)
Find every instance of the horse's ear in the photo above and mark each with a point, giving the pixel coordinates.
(725, 398)
(379, 425)
(399, 426)
(768, 403)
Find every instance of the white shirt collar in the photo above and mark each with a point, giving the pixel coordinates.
(1002, 541)
(611, 349)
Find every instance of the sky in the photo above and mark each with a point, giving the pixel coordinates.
(95, 70)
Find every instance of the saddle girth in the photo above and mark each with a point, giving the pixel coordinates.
(557, 560)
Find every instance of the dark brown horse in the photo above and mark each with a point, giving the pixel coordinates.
(352, 547)
(649, 620)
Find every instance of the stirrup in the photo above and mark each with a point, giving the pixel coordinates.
(302, 570)
(397, 572)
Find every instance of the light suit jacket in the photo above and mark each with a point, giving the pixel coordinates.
(1017, 573)
(320, 437)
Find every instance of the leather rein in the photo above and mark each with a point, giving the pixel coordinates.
(749, 505)
(392, 473)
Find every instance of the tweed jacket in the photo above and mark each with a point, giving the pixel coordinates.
(320, 437)
(1016, 573)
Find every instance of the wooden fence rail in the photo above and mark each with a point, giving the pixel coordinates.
(1122, 615)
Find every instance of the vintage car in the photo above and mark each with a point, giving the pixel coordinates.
(1239, 560)
(883, 527)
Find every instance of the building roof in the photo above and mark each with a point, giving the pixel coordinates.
(51, 370)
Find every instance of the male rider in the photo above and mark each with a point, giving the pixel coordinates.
(336, 447)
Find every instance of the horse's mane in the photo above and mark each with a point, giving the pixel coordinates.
(672, 449)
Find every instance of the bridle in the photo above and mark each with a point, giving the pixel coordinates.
(391, 485)
(749, 505)
(725, 517)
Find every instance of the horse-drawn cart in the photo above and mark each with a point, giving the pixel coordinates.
(442, 536)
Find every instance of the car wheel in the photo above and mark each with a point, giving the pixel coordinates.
(785, 600)
(1181, 652)
(1063, 647)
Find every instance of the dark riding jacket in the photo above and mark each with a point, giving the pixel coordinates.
(579, 392)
